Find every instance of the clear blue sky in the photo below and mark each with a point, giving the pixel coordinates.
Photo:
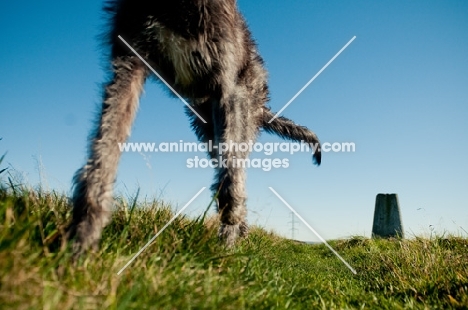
(399, 92)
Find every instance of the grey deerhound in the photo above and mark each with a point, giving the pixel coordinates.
(205, 51)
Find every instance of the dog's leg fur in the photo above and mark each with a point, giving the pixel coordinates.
(230, 179)
(229, 182)
(92, 196)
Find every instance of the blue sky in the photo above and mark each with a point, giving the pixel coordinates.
(399, 92)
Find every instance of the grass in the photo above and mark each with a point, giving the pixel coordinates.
(186, 267)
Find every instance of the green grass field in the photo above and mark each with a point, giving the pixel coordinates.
(187, 268)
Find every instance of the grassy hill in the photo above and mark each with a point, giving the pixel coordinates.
(186, 267)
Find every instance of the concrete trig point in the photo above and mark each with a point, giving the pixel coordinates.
(387, 217)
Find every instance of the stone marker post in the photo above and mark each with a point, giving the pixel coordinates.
(387, 217)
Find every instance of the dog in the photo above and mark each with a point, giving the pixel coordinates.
(204, 50)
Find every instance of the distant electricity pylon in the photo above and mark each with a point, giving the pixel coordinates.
(293, 228)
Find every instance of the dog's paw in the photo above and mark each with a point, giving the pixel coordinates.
(229, 234)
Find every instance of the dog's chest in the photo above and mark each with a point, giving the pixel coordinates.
(191, 58)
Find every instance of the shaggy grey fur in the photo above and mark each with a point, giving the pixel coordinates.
(205, 51)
